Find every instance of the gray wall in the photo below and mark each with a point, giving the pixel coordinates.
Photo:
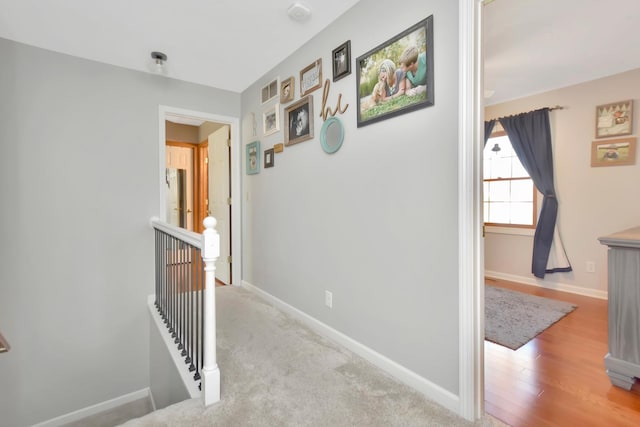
(78, 184)
(376, 222)
(165, 381)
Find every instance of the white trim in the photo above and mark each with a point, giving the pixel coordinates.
(153, 401)
(515, 231)
(593, 293)
(236, 168)
(182, 368)
(426, 387)
(95, 409)
(471, 248)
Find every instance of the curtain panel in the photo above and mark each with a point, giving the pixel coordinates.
(530, 136)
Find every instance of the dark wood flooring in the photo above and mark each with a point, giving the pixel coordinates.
(558, 378)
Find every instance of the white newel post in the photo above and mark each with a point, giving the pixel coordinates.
(210, 371)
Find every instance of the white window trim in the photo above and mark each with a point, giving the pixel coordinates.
(517, 231)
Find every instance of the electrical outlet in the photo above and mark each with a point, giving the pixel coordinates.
(591, 267)
(328, 299)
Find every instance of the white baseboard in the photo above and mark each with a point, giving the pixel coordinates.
(95, 409)
(410, 378)
(548, 285)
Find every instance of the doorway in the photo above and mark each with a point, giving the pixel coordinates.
(207, 174)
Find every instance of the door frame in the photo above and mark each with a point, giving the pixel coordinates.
(470, 240)
(164, 112)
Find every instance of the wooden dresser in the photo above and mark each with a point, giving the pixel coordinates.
(623, 360)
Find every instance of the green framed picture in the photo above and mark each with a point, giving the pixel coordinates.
(253, 157)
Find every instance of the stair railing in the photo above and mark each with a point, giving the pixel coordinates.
(185, 297)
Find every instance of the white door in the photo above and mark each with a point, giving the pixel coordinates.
(179, 172)
(219, 197)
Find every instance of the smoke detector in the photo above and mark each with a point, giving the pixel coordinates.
(298, 12)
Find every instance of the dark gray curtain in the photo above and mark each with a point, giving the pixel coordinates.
(530, 135)
(488, 128)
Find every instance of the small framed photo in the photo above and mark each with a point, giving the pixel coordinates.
(269, 91)
(299, 119)
(271, 120)
(396, 77)
(613, 152)
(268, 158)
(311, 77)
(614, 119)
(341, 61)
(253, 159)
(287, 90)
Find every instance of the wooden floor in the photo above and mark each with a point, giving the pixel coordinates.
(558, 378)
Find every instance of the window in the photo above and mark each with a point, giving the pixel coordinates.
(509, 193)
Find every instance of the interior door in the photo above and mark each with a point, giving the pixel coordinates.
(179, 172)
(219, 198)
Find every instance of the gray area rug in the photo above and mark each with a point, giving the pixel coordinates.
(512, 318)
(275, 371)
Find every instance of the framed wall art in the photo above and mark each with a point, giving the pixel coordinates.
(614, 119)
(271, 120)
(299, 121)
(311, 77)
(269, 91)
(287, 90)
(252, 155)
(268, 158)
(341, 61)
(382, 90)
(613, 152)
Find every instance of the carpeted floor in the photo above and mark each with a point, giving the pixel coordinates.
(512, 318)
(277, 372)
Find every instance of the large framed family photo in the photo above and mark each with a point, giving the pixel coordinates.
(396, 77)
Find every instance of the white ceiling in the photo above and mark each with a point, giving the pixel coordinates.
(530, 45)
(227, 44)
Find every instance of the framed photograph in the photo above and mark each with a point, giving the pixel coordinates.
(341, 61)
(396, 77)
(268, 158)
(253, 159)
(287, 90)
(311, 77)
(299, 121)
(269, 91)
(271, 120)
(614, 119)
(613, 152)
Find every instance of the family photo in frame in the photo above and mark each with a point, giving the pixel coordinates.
(396, 77)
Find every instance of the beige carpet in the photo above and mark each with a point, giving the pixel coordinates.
(277, 372)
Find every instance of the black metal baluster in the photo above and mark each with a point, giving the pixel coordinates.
(178, 293)
(192, 323)
(187, 343)
(172, 288)
(196, 376)
(165, 268)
